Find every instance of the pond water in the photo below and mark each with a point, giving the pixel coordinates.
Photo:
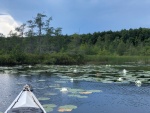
(80, 89)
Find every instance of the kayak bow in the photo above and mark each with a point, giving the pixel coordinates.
(25, 102)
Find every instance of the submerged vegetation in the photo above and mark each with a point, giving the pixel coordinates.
(36, 42)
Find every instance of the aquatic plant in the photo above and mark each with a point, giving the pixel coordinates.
(86, 92)
(75, 90)
(94, 91)
(64, 89)
(43, 98)
(90, 91)
(24, 75)
(49, 107)
(60, 82)
(138, 83)
(107, 81)
(71, 80)
(67, 108)
(41, 80)
(50, 94)
(77, 95)
(124, 71)
(54, 86)
(120, 79)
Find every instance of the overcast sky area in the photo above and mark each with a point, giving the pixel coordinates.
(77, 16)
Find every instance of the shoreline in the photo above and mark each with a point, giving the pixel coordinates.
(67, 59)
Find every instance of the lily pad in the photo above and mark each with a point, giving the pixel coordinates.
(86, 92)
(60, 81)
(41, 80)
(94, 91)
(49, 107)
(106, 81)
(55, 86)
(75, 90)
(50, 94)
(77, 95)
(43, 98)
(67, 108)
(25, 75)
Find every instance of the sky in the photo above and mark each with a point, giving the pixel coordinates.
(77, 16)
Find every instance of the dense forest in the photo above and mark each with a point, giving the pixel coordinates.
(38, 42)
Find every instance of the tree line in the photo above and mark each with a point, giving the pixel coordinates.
(42, 41)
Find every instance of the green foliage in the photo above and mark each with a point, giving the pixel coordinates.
(17, 55)
(6, 60)
(67, 59)
(75, 49)
(121, 48)
(103, 52)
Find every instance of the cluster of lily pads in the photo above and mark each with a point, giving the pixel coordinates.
(109, 74)
(70, 92)
(98, 73)
(67, 74)
(77, 93)
(50, 107)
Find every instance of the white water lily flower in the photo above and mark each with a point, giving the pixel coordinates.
(138, 83)
(124, 71)
(120, 79)
(71, 79)
(64, 90)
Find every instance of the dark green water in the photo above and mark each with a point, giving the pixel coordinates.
(106, 93)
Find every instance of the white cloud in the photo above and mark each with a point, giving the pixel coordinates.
(7, 23)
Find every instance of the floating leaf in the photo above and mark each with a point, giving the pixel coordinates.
(75, 90)
(43, 98)
(77, 95)
(50, 94)
(86, 92)
(25, 75)
(67, 108)
(55, 86)
(41, 80)
(94, 91)
(106, 81)
(63, 110)
(60, 81)
(49, 107)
